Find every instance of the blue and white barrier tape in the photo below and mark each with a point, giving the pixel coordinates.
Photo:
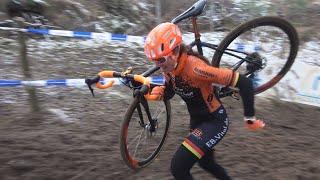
(80, 34)
(110, 37)
(70, 82)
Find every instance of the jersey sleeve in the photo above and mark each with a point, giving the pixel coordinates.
(224, 77)
(247, 95)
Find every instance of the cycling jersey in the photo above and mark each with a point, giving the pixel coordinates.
(192, 80)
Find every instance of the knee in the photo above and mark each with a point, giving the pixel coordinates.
(205, 164)
(175, 169)
(182, 162)
(178, 170)
(202, 164)
(207, 160)
(209, 164)
(214, 168)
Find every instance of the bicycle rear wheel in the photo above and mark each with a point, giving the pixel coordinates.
(263, 49)
(140, 141)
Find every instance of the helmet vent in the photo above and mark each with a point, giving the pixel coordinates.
(161, 48)
(166, 34)
(172, 41)
(154, 41)
(177, 31)
(147, 51)
(152, 53)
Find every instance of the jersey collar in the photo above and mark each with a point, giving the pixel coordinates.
(181, 62)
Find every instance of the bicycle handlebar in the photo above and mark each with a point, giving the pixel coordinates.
(105, 74)
(144, 90)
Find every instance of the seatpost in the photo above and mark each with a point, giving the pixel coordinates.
(196, 35)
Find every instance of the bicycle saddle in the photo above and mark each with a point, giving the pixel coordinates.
(193, 11)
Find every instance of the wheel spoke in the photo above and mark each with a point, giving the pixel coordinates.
(144, 143)
(142, 146)
(137, 145)
(162, 113)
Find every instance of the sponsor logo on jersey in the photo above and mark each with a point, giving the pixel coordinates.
(204, 73)
(197, 132)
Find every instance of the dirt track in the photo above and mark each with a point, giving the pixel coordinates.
(76, 136)
(45, 146)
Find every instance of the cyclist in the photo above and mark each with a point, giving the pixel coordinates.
(189, 76)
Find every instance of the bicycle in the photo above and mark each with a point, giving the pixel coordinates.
(145, 125)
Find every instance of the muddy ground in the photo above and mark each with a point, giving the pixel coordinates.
(83, 142)
(75, 136)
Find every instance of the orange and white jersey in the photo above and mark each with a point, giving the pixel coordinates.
(192, 80)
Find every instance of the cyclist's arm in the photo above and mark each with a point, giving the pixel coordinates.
(219, 76)
(226, 77)
(247, 95)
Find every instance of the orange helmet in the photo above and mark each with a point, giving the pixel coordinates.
(162, 40)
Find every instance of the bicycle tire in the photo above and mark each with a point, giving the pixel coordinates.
(271, 21)
(130, 118)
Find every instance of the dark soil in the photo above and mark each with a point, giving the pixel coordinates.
(83, 143)
(75, 136)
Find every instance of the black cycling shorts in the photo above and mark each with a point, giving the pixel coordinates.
(207, 133)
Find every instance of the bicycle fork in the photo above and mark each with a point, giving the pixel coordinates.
(152, 126)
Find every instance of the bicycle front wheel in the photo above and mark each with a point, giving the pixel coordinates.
(263, 49)
(143, 134)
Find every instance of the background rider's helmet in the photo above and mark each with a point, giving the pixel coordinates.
(162, 40)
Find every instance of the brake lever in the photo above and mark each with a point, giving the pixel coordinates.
(88, 82)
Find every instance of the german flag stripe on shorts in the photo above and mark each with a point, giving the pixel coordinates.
(193, 148)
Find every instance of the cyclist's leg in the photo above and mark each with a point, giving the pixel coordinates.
(208, 163)
(182, 162)
(204, 137)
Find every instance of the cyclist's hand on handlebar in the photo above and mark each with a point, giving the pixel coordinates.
(253, 124)
(159, 91)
